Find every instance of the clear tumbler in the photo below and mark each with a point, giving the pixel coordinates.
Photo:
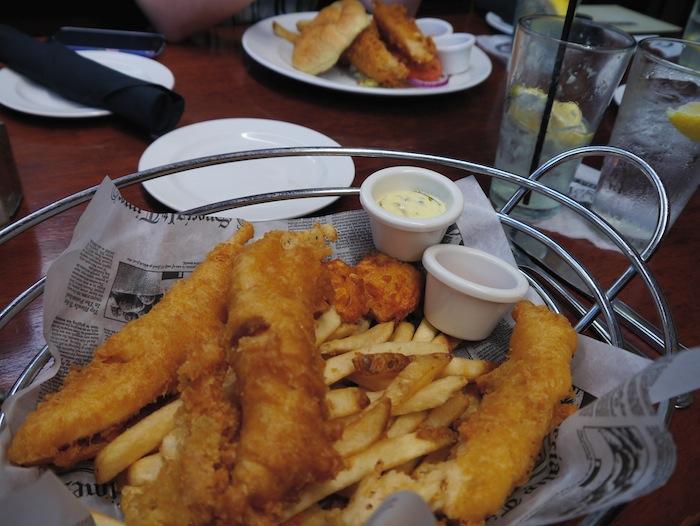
(658, 120)
(591, 66)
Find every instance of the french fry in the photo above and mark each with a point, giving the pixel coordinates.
(432, 395)
(101, 519)
(349, 329)
(144, 470)
(406, 424)
(345, 402)
(468, 368)
(283, 32)
(302, 24)
(338, 367)
(326, 325)
(374, 395)
(377, 334)
(137, 441)
(425, 332)
(375, 372)
(443, 415)
(391, 452)
(442, 340)
(403, 332)
(414, 377)
(169, 446)
(365, 430)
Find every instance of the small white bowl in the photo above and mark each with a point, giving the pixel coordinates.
(455, 51)
(406, 238)
(434, 27)
(468, 291)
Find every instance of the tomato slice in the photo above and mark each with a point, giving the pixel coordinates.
(430, 71)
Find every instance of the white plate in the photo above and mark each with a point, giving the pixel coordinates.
(21, 94)
(185, 190)
(275, 53)
(496, 22)
(618, 94)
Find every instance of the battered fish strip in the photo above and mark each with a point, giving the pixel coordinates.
(501, 440)
(278, 284)
(252, 429)
(370, 56)
(132, 368)
(402, 32)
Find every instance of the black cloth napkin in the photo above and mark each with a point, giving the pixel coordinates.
(149, 106)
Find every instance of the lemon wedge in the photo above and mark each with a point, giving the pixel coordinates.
(559, 6)
(686, 120)
(566, 124)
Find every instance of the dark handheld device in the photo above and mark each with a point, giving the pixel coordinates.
(137, 42)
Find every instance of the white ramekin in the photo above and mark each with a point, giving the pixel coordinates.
(402, 237)
(468, 291)
(455, 51)
(434, 27)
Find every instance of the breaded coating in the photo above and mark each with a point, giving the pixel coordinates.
(402, 32)
(253, 429)
(133, 368)
(349, 298)
(521, 400)
(278, 284)
(370, 56)
(324, 39)
(393, 288)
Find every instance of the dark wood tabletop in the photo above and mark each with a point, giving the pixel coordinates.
(57, 157)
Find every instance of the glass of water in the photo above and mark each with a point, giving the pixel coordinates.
(592, 64)
(658, 120)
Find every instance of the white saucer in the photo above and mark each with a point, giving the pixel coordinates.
(186, 190)
(21, 94)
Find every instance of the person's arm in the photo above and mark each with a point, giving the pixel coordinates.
(178, 19)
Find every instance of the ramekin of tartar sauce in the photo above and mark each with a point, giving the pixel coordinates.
(467, 291)
(410, 209)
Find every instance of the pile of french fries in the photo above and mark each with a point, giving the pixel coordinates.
(396, 393)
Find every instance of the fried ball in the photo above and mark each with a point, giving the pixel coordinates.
(350, 300)
(393, 288)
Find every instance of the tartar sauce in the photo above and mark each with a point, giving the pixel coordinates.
(412, 203)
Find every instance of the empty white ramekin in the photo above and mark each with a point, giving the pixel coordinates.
(402, 237)
(455, 51)
(468, 291)
(434, 27)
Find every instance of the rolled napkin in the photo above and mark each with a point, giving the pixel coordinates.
(151, 107)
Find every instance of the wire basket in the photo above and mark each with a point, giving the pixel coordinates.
(603, 316)
(664, 341)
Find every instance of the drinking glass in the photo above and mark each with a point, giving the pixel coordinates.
(658, 120)
(592, 63)
(692, 27)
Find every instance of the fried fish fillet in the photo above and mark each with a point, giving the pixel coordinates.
(402, 32)
(131, 369)
(252, 430)
(501, 440)
(278, 284)
(370, 56)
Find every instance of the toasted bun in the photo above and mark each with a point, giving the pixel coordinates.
(324, 39)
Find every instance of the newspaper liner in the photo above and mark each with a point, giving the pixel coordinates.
(120, 261)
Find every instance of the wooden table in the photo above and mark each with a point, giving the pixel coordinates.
(56, 158)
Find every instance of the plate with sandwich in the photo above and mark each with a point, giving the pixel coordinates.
(344, 48)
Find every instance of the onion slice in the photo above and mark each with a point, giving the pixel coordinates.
(419, 83)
